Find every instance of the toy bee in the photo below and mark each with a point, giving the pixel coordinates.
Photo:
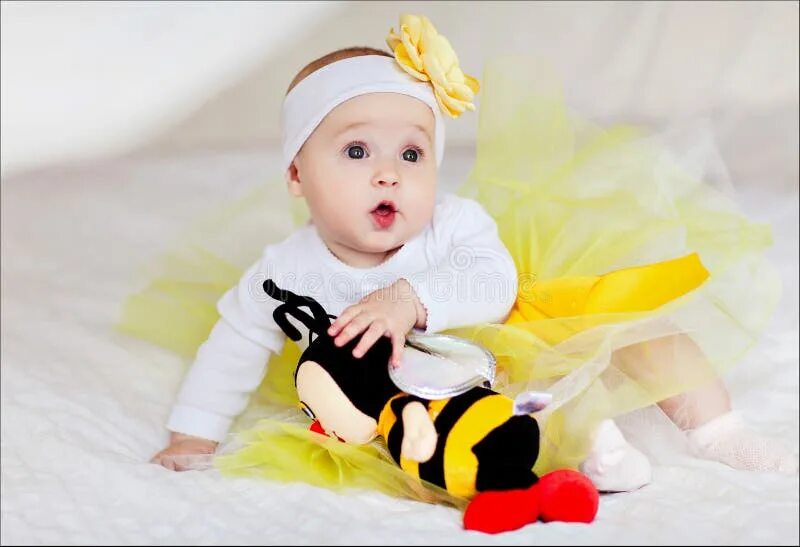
(468, 444)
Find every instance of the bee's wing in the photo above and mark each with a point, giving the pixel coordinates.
(436, 366)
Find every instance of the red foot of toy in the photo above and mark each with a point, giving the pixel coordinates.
(567, 496)
(564, 495)
(502, 511)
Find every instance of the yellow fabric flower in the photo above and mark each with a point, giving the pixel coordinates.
(427, 55)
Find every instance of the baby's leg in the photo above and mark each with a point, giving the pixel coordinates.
(698, 407)
(715, 432)
(613, 464)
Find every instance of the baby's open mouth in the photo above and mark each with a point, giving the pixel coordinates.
(383, 214)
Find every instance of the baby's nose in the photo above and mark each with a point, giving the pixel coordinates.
(386, 178)
(387, 181)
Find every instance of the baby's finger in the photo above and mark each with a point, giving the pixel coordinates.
(398, 343)
(346, 316)
(193, 462)
(164, 461)
(178, 465)
(353, 329)
(373, 333)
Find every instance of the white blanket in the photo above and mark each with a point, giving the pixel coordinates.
(83, 407)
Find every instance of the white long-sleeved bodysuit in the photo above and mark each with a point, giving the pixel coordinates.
(458, 266)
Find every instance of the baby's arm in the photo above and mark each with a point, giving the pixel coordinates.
(474, 280)
(471, 279)
(391, 311)
(228, 367)
(182, 451)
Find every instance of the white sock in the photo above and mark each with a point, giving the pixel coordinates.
(728, 440)
(613, 465)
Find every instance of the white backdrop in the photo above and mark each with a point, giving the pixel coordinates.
(122, 123)
(83, 80)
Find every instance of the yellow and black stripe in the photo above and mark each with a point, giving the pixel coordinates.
(481, 444)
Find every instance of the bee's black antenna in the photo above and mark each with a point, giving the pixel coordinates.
(292, 303)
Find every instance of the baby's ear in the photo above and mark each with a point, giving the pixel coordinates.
(293, 181)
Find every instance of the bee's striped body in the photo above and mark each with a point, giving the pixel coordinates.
(481, 444)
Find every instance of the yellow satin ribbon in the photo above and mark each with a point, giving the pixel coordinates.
(628, 290)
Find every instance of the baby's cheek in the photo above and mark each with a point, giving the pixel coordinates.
(424, 204)
(332, 212)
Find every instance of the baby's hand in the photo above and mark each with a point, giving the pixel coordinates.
(391, 311)
(177, 456)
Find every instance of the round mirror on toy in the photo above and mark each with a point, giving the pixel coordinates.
(438, 366)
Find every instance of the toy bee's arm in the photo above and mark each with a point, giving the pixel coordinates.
(419, 433)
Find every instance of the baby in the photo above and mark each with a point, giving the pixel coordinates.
(362, 143)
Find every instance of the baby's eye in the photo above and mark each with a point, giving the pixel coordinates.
(356, 152)
(411, 155)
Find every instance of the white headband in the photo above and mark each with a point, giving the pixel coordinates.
(323, 90)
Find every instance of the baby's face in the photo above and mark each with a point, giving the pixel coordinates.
(368, 172)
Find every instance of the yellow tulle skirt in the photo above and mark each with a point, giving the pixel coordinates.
(639, 280)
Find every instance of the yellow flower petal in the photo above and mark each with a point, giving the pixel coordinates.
(444, 107)
(426, 27)
(453, 105)
(455, 76)
(393, 39)
(406, 64)
(462, 92)
(434, 71)
(444, 52)
(459, 102)
(413, 25)
(412, 52)
(428, 56)
(473, 84)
